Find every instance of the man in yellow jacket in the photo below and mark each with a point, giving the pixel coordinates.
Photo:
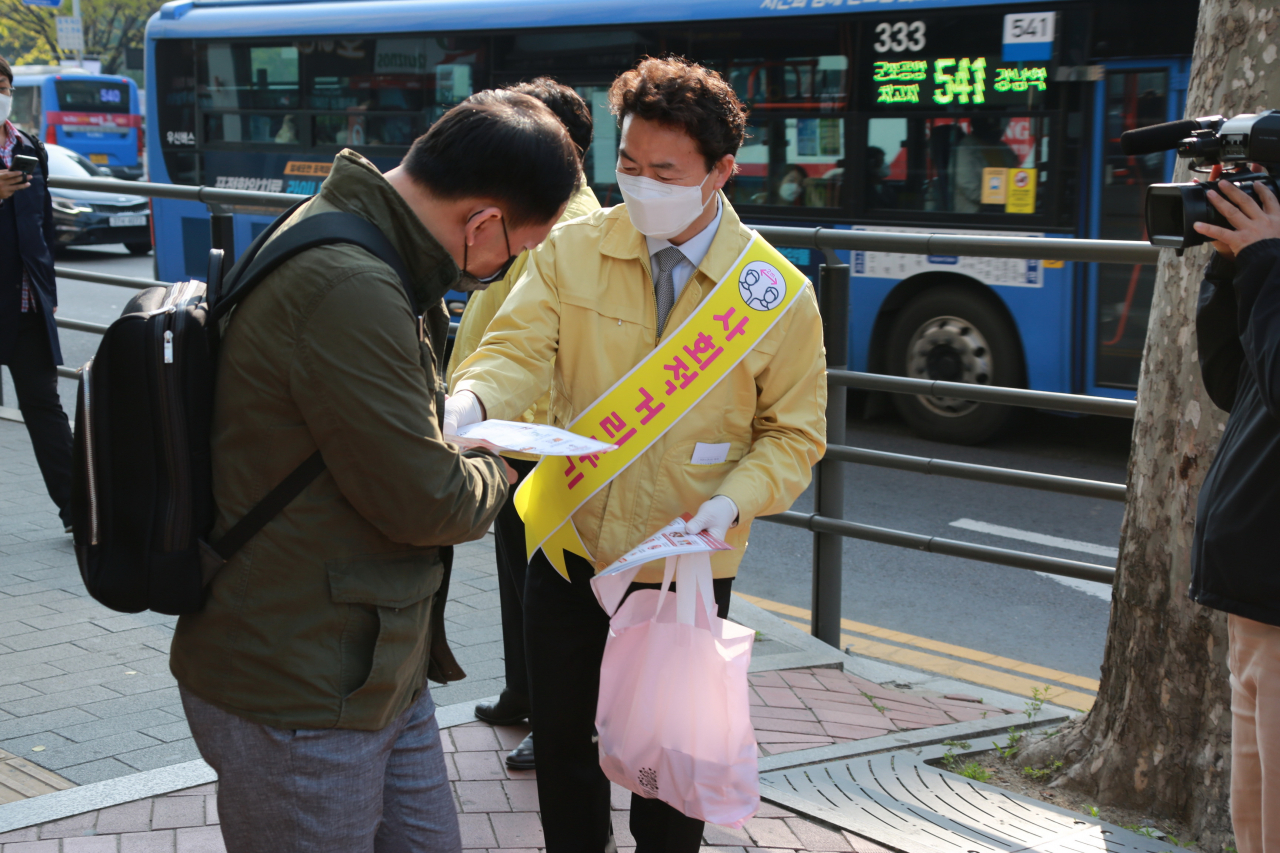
(595, 301)
(512, 705)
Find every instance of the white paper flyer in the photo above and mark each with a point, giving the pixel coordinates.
(534, 438)
(670, 541)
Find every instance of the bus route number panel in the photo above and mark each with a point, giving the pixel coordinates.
(950, 80)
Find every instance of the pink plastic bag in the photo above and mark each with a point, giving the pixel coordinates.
(673, 715)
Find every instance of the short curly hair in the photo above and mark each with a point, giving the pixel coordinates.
(679, 93)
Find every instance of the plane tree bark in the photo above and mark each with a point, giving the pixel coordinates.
(1158, 738)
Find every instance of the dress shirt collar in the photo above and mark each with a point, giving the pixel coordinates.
(695, 248)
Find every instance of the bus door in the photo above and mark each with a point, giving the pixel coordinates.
(1131, 94)
(98, 117)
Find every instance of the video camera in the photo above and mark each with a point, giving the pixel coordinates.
(1234, 143)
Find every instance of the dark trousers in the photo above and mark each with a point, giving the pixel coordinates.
(35, 378)
(565, 631)
(513, 560)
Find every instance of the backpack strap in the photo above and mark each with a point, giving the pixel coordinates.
(323, 229)
(42, 153)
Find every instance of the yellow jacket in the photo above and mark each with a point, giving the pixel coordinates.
(484, 304)
(583, 314)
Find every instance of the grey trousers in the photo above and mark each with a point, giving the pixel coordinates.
(329, 790)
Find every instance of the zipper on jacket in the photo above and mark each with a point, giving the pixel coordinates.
(91, 477)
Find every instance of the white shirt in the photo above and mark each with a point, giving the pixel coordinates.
(694, 250)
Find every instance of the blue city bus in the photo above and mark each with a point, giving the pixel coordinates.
(949, 116)
(96, 115)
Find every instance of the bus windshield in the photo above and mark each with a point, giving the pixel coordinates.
(92, 96)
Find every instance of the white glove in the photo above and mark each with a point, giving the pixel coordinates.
(715, 516)
(462, 409)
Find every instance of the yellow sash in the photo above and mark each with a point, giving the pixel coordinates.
(759, 288)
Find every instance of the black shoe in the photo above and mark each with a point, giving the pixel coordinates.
(521, 758)
(507, 711)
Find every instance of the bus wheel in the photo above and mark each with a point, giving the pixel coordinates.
(138, 248)
(951, 334)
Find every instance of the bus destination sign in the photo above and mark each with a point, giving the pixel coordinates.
(956, 80)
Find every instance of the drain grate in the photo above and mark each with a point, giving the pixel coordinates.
(898, 800)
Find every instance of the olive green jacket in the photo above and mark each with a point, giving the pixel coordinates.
(325, 618)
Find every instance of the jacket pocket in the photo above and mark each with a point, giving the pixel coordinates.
(683, 486)
(386, 635)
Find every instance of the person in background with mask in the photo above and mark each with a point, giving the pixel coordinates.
(29, 299)
(509, 547)
(791, 187)
(601, 295)
(304, 677)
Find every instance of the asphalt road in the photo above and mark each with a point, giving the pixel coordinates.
(1014, 613)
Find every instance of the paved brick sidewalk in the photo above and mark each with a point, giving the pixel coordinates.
(497, 810)
(86, 692)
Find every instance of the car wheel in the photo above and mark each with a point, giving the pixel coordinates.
(138, 248)
(954, 335)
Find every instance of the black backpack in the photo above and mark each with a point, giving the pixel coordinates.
(142, 498)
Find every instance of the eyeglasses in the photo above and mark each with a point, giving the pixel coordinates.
(5, 90)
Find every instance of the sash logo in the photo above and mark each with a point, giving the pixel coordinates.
(762, 286)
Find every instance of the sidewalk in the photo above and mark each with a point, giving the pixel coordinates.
(98, 757)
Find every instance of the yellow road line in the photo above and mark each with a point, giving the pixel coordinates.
(946, 666)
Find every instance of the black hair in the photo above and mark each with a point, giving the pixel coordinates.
(679, 93)
(5, 70)
(503, 146)
(568, 106)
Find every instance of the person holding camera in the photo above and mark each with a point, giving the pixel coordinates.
(1233, 558)
(29, 299)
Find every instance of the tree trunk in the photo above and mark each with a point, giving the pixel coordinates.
(1158, 737)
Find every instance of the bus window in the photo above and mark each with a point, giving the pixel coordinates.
(25, 114)
(794, 83)
(978, 163)
(791, 162)
(236, 80)
(1134, 99)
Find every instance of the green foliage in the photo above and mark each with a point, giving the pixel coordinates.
(1091, 811)
(1010, 747)
(975, 771)
(1041, 774)
(28, 34)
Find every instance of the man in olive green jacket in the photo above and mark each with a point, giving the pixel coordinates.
(304, 677)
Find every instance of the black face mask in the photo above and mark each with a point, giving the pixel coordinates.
(468, 282)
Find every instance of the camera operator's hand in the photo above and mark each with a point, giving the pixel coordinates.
(12, 182)
(1251, 223)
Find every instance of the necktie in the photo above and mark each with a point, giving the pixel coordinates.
(663, 286)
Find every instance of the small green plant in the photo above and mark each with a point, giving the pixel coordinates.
(975, 771)
(1144, 831)
(872, 700)
(949, 758)
(1040, 774)
(1010, 747)
(1038, 697)
(1091, 811)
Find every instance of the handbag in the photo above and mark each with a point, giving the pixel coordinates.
(673, 714)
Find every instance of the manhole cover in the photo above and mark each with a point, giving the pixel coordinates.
(898, 800)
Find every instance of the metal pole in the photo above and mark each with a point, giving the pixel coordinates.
(75, 12)
(828, 492)
(221, 231)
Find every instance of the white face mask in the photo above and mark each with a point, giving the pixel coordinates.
(661, 210)
(6, 104)
(789, 192)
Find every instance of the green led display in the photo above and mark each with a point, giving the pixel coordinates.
(963, 80)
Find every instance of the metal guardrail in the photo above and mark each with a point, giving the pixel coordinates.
(826, 522)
